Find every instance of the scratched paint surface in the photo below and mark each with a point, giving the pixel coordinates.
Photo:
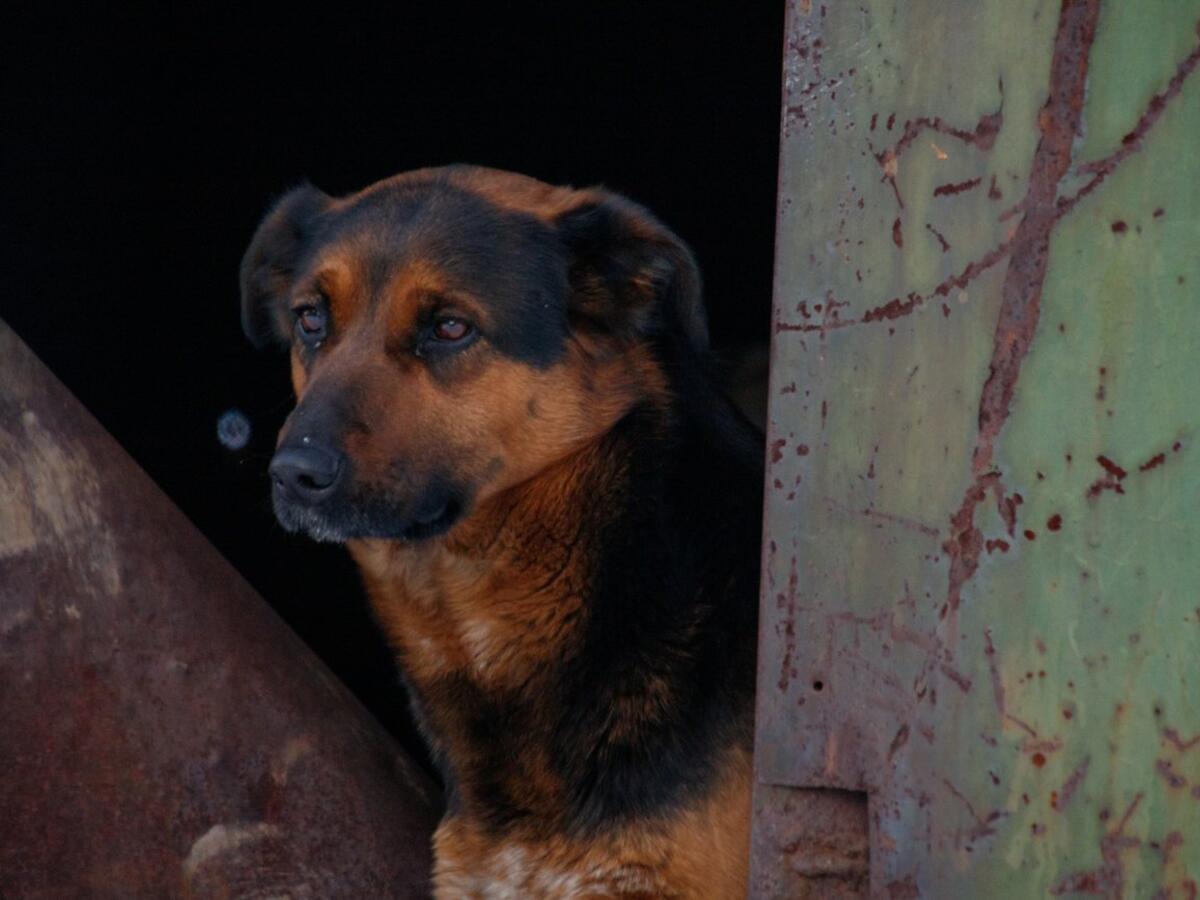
(982, 584)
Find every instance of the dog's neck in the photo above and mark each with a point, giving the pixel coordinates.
(579, 624)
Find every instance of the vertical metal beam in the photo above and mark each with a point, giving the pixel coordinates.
(162, 732)
(979, 599)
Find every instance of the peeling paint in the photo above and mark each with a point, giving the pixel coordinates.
(224, 838)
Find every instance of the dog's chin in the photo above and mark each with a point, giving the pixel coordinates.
(336, 526)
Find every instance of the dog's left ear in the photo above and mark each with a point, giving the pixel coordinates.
(629, 274)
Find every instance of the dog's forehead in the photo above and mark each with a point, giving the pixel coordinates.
(454, 238)
(393, 225)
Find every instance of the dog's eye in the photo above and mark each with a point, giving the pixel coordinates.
(451, 330)
(311, 324)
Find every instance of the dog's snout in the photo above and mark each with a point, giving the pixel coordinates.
(306, 471)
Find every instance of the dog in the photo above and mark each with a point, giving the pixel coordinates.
(506, 411)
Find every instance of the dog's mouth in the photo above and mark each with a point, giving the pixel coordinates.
(370, 517)
(432, 523)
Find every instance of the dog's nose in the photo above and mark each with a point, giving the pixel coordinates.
(308, 472)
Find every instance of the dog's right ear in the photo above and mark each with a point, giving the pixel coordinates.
(270, 263)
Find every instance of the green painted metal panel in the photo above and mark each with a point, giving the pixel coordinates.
(982, 567)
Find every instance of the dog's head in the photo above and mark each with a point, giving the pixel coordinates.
(453, 332)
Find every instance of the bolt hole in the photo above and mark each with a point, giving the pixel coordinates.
(818, 685)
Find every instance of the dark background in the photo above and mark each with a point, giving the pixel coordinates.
(139, 151)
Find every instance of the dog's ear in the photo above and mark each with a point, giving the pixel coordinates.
(629, 274)
(271, 260)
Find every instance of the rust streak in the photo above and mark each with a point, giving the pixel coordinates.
(1021, 295)
(1172, 736)
(989, 651)
(893, 309)
(941, 238)
(947, 190)
(902, 521)
(1132, 142)
(1109, 877)
(1153, 462)
(983, 824)
(963, 682)
(1071, 785)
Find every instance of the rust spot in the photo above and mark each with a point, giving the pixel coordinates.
(1174, 840)
(802, 449)
(1054, 523)
(777, 449)
(1038, 760)
(996, 544)
(943, 190)
(897, 233)
(1174, 780)
(1158, 213)
(1119, 227)
(1110, 481)
(1030, 534)
(1111, 467)
(993, 191)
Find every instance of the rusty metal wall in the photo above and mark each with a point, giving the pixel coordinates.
(162, 732)
(981, 599)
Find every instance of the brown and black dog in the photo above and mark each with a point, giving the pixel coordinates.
(505, 412)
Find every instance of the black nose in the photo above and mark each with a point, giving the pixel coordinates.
(308, 472)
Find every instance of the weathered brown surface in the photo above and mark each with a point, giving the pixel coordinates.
(162, 732)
